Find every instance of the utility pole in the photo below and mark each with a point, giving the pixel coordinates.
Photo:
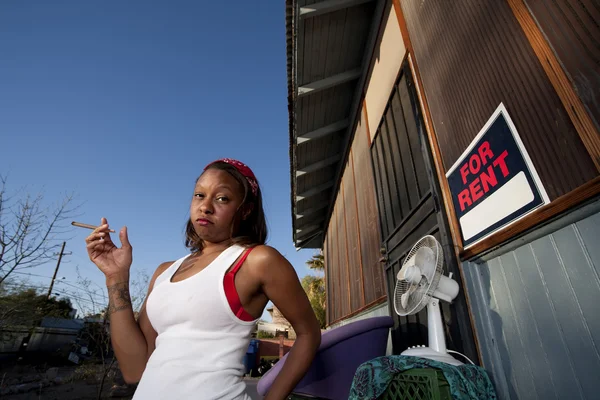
(62, 252)
(26, 339)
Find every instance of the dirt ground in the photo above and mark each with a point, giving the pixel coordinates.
(67, 391)
(77, 383)
(80, 384)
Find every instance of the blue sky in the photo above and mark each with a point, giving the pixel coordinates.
(123, 103)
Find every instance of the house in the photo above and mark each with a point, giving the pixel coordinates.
(278, 325)
(282, 332)
(476, 122)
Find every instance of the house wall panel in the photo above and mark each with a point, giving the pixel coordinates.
(472, 56)
(535, 311)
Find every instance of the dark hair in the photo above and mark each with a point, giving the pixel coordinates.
(250, 231)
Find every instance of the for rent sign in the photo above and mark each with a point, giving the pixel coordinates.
(494, 183)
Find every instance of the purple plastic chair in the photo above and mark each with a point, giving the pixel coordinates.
(341, 352)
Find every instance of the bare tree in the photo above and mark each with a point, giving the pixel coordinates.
(29, 231)
(92, 301)
(91, 298)
(138, 289)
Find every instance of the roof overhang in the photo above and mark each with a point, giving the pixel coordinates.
(329, 47)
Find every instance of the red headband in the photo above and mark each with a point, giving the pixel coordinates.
(243, 169)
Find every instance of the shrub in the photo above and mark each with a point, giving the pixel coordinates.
(264, 335)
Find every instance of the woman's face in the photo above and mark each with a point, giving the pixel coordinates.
(217, 198)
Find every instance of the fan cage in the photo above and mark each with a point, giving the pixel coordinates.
(403, 286)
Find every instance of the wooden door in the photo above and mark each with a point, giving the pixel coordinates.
(409, 208)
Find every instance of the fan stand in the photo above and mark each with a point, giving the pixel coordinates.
(437, 341)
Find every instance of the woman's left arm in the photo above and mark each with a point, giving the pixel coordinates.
(281, 285)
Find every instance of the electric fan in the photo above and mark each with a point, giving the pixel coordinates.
(421, 283)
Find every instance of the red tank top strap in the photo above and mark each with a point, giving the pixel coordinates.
(231, 293)
(238, 265)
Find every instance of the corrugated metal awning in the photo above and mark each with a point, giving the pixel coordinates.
(329, 46)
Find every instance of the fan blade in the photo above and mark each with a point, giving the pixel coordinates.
(404, 299)
(406, 296)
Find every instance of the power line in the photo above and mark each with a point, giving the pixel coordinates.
(73, 284)
(63, 292)
(76, 285)
(80, 298)
(25, 273)
(92, 292)
(44, 276)
(22, 285)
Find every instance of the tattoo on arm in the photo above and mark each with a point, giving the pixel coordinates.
(118, 297)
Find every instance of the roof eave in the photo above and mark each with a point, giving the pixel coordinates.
(314, 238)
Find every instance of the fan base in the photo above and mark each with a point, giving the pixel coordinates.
(426, 352)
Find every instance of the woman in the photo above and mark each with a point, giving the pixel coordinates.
(194, 327)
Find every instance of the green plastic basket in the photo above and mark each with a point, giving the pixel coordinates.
(418, 384)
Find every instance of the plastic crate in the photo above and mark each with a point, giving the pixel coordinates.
(418, 384)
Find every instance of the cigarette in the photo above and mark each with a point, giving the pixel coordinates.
(88, 226)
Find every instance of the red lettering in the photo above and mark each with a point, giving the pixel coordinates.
(475, 189)
(485, 152)
(488, 180)
(501, 162)
(474, 160)
(464, 171)
(464, 199)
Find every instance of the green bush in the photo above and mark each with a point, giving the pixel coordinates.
(314, 286)
(264, 335)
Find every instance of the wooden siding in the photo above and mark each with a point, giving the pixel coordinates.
(336, 304)
(332, 273)
(352, 242)
(368, 222)
(328, 288)
(354, 274)
(473, 55)
(343, 257)
(572, 29)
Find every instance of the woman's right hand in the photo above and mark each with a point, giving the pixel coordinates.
(111, 260)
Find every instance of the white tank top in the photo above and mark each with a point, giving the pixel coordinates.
(201, 343)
